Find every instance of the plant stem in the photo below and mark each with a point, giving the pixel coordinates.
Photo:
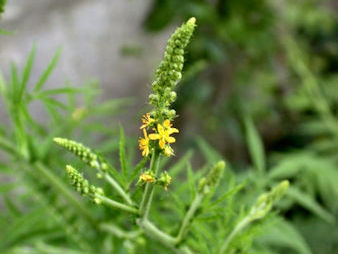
(188, 217)
(117, 187)
(116, 204)
(120, 233)
(234, 232)
(149, 189)
(151, 230)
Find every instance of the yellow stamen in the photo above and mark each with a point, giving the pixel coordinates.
(146, 120)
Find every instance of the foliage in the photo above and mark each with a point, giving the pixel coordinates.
(206, 203)
(39, 206)
(265, 73)
(280, 55)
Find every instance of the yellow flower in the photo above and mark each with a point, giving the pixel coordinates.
(168, 151)
(146, 120)
(144, 144)
(163, 135)
(146, 177)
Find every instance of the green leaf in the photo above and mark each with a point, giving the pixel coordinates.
(255, 145)
(47, 71)
(14, 81)
(2, 6)
(209, 153)
(14, 210)
(27, 71)
(64, 191)
(137, 170)
(178, 166)
(309, 203)
(191, 181)
(47, 249)
(283, 234)
(123, 154)
(63, 90)
(2, 85)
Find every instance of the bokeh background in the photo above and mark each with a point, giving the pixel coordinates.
(272, 62)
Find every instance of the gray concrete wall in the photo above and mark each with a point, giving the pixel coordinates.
(91, 34)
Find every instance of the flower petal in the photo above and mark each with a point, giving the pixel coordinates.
(170, 139)
(161, 143)
(173, 130)
(166, 123)
(154, 136)
(160, 129)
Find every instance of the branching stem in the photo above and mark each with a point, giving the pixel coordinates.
(149, 189)
(188, 217)
(242, 224)
(117, 187)
(116, 204)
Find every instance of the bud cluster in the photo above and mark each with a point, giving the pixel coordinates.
(266, 201)
(82, 185)
(169, 72)
(212, 179)
(81, 151)
(148, 176)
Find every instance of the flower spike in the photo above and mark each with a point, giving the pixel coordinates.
(81, 151)
(81, 184)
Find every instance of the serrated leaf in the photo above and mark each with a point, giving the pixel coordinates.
(283, 234)
(47, 71)
(255, 145)
(309, 203)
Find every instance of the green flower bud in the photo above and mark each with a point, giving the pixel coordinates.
(172, 113)
(213, 177)
(169, 71)
(266, 201)
(173, 96)
(81, 151)
(164, 180)
(81, 184)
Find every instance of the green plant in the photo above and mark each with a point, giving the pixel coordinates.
(32, 188)
(265, 73)
(156, 218)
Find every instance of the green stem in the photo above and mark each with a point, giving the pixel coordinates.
(120, 233)
(151, 230)
(188, 217)
(149, 189)
(117, 187)
(116, 204)
(234, 232)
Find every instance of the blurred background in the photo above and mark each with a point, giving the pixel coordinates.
(271, 65)
(242, 60)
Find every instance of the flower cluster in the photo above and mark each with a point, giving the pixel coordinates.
(266, 201)
(162, 136)
(167, 76)
(169, 72)
(149, 177)
(212, 178)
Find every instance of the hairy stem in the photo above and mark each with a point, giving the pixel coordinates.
(151, 230)
(149, 189)
(188, 217)
(118, 188)
(116, 204)
(234, 232)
